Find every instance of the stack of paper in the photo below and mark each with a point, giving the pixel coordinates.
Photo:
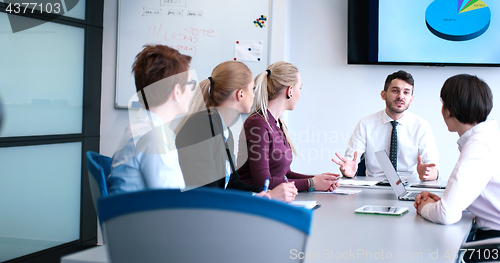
(305, 204)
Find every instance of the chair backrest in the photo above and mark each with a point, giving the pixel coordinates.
(99, 167)
(361, 166)
(201, 225)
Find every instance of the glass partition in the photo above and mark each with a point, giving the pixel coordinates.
(39, 197)
(41, 79)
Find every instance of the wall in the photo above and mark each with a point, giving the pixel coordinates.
(113, 121)
(335, 96)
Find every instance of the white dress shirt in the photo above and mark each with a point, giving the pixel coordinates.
(373, 134)
(226, 136)
(146, 157)
(475, 181)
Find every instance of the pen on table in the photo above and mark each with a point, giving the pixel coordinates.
(266, 185)
(286, 179)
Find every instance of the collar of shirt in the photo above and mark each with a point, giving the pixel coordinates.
(151, 116)
(224, 127)
(271, 119)
(387, 119)
(482, 126)
(147, 121)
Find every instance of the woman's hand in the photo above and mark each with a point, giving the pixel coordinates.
(284, 192)
(326, 181)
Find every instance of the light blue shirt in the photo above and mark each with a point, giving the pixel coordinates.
(146, 157)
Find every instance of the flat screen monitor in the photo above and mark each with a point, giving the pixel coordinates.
(424, 32)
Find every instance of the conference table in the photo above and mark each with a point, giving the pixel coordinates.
(339, 234)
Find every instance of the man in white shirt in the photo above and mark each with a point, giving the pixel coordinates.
(474, 183)
(407, 137)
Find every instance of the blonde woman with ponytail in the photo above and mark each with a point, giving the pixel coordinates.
(269, 149)
(205, 142)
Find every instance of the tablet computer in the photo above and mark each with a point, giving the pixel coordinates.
(382, 210)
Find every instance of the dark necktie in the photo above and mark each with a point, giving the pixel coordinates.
(393, 156)
(229, 144)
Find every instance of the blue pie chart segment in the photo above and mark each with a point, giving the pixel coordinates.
(444, 20)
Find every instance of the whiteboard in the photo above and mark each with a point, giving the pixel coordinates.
(206, 30)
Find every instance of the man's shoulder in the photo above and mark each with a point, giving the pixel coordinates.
(487, 133)
(414, 119)
(372, 118)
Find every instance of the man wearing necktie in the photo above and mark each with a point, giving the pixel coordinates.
(406, 137)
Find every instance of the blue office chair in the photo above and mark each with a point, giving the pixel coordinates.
(201, 225)
(99, 167)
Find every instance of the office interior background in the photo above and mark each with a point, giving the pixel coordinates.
(310, 34)
(335, 96)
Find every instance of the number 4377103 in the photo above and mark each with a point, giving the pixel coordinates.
(482, 254)
(40, 8)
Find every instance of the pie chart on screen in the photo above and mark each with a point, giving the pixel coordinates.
(458, 20)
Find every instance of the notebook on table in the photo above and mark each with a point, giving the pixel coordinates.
(393, 177)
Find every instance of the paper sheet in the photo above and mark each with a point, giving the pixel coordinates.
(248, 50)
(357, 182)
(305, 204)
(341, 192)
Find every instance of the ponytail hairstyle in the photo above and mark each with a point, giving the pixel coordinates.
(227, 77)
(269, 85)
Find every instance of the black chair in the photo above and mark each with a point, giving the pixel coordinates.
(480, 250)
(361, 166)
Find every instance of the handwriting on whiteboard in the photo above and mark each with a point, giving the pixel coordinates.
(173, 2)
(151, 12)
(191, 13)
(173, 12)
(184, 41)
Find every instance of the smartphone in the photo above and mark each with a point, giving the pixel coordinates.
(382, 210)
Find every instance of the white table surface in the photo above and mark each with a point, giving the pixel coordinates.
(338, 233)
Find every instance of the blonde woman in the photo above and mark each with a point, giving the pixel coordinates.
(269, 150)
(205, 142)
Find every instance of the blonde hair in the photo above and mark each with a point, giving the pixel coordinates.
(227, 77)
(269, 85)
